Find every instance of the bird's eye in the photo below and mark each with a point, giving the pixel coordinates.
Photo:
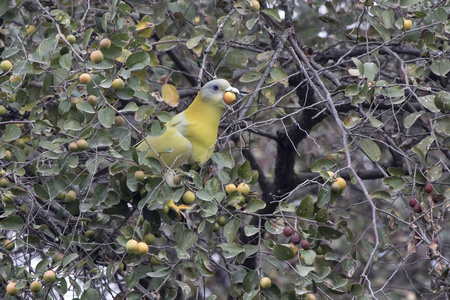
(215, 87)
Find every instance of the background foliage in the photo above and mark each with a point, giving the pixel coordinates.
(337, 86)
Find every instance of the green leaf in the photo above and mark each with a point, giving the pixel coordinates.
(230, 229)
(322, 163)
(204, 194)
(138, 61)
(255, 205)
(381, 195)
(4, 6)
(21, 68)
(370, 148)
(411, 119)
(349, 266)
(371, 70)
(12, 223)
(352, 90)
(101, 138)
(395, 183)
(374, 122)
(308, 256)
(306, 207)
(68, 259)
(283, 252)
(272, 13)
(12, 132)
(351, 120)
(90, 294)
(203, 265)
(250, 76)
(167, 43)
(106, 116)
(251, 230)
(163, 272)
(251, 281)
(428, 103)
(231, 250)
(329, 233)
(236, 59)
(223, 159)
(83, 106)
(441, 66)
(66, 61)
(87, 37)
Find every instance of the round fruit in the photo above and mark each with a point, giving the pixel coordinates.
(310, 297)
(243, 188)
(59, 38)
(119, 121)
(304, 244)
(188, 197)
(70, 196)
(97, 56)
(9, 245)
(222, 220)
(85, 78)
(216, 226)
(74, 102)
(4, 182)
(255, 5)
(89, 234)
(60, 196)
(2, 110)
(7, 198)
(341, 183)
(73, 147)
(142, 249)
(6, 65)
(92, 100)
(118, 84)
(412, 202)
(82, 144)
(287, 231)
(149, 239)
(8, 156)
(35, 286)
(229, 97)
(15, 78)
(177, 179)
(20, 143)
(105, 44)
(418, 208)
(442, 101)
(132, 246)
(154, 261)
(139, 175)
(429, 188)
(407, 24)
(265, 282)
(164, 210)
(296, 238)
(231, 187)
(71, 38)
(11, 289)
(30, 30)
(58, 257)
(49, 276)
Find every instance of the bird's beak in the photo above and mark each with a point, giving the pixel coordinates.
(233, 90)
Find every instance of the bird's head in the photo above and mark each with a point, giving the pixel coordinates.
(213, 92)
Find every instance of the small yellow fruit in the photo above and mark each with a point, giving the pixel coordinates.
(216, 226)
(11, 289)
(119, 121)
(8, 156)
(294, 249)
(149, 239)
(255, 5)
(407, 24)
(85, 78)
(139, 175)
(89, 234)
(59, 38)
(82, 144)
(231, 187)
(118, 84)
(105, 44)
(4, 182)
(30, 30)
(243, 188)
(2, 110)
(229, 97)
(142, 249)
(35, 286)
(97, 56)
(341, 183)
(92, 100)
(6, 65)
(15, 78)
(20, 143)
(49, 276)
(310, 297)
(60, 196)
(265, 282)
(222, 220)
(188, 197)
(164, 210)
(132, 246)
(72, 147)
(71, 38)
(9, 245)
(7, 198)
(58, 257)
(70, 196)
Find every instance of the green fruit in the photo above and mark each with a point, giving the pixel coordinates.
(11, 289)
(142, 249)
(85, 78)
(222, 220)
(30, 30)
(243, 188)
(97, 56)
(60, 196)
(216, 226)
(8, 156)
(49, 276)
(164, 210)
(188, 197)
(71, 196)
(2, 110)
(149, 239)
(5, 65)
(4, 182)
(92, 100)
(82, 144)
(71, 38)
(139, 175)
(119, 121)
(19, 143)
(154, 261)
(73, 147)
(35, 286)
(118, 84)
(105, 44)
(89, 234)
(9, 245)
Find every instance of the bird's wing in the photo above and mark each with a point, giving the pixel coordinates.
(173, 148)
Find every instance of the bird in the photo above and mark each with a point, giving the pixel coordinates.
(191, 135)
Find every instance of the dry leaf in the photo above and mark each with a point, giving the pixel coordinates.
(170, 95)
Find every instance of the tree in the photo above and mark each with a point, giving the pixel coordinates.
(343, 119)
